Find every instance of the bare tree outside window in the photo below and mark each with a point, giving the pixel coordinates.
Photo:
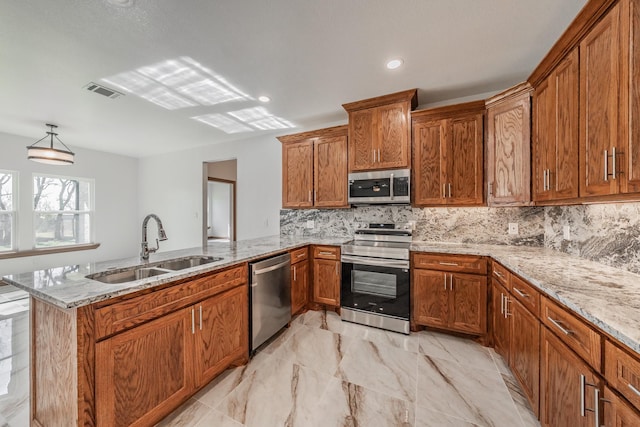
(7, 211)
(62, 210)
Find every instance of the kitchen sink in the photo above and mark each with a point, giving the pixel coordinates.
(144, 272)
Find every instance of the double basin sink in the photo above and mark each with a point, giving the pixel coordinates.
(143, 272)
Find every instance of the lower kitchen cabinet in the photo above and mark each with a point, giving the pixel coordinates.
(617, 413)
(567, 386)
(326, 275)
(500, 321)
(299, 286)
(453, 301)
(147, 371)
(524, 351)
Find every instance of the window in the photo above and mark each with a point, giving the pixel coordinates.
(63, 210)
(7, 210)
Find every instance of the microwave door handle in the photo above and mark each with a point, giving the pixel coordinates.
(391, 186)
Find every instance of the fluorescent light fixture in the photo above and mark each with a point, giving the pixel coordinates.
(178, 83)
(223, 122)
(395, 63)
(264, 98)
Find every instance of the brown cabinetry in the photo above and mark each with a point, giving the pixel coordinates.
(326, 275)
(445, 296)
(555, 133)
(314, 168)
(448, 155)
(617, 413)
(299, 279)
(500, 321)
(508, 147)
(622, 372)
(379, 131)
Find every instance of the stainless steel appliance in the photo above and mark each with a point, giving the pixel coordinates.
(380, 187)
(270, 297)
(375, 287)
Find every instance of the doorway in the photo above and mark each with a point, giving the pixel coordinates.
(219, 201)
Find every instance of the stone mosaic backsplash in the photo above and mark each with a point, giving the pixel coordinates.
(607, 233)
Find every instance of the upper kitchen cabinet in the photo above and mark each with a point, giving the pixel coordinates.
(448, 155)
(508, 147)
(379, 131)
(555, 130)
(314, 168)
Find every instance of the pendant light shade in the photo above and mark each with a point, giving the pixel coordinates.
(50, 155)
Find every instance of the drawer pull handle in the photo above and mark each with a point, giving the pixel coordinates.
(497, 273)
(522, 294)
(453, 264)
(300, 255)
(557, 324)
(633, 389)
(327, 253)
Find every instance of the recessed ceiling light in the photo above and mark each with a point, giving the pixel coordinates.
(264, 98)
(395, 63)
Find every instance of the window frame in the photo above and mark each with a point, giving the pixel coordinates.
(13, 213)
(91, 214)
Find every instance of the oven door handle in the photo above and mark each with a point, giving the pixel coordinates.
(378, 262)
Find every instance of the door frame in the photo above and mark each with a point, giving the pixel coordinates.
(233, 217)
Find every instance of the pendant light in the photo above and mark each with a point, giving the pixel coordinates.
(50, 155)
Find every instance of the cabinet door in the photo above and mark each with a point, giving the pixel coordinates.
(599, 80)
(326, 282)
(617, 413)
(631, 91)
(297, 174)
(362, 134)
(544, 137)
(299, 286)
(560, 385)
(430, 298)
(563, 180)
(330, 171)
(465, 159)
(468, 303)
(501, 323)
(524, 354)
(144, 372)
(221, 332)
(429, 168)
(508, 150)
(393, 136)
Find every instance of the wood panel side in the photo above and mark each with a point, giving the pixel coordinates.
(630, 99)
(54, 367)
(86, 366)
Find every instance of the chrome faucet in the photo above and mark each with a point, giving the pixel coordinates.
(144, 254)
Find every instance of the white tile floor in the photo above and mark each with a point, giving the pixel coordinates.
(320, 372)
(325, 372)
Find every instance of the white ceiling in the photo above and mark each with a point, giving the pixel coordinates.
(308, 56)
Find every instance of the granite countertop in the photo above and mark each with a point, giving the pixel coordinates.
(607, 297)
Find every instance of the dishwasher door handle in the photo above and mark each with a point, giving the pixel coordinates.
(273, 267)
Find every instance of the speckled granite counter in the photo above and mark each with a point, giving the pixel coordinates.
(606, 296)
(68, 287)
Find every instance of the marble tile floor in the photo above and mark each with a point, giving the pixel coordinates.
(325, 372)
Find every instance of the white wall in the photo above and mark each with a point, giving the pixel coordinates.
(116, 221)
(171, 186)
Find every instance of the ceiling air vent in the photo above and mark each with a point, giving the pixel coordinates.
(103, 90)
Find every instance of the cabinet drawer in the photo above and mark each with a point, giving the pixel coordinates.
(457, 263)
(326, 252)
(576, 334)
(129, 313)
(298, 255)
(501, 274)
(622, 371)
(526, 294)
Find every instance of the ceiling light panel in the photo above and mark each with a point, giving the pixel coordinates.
(272, 122)
(261, 118)
(250, 114)
(223, 122)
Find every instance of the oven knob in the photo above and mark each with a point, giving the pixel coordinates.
(381, 309)
(355, 304)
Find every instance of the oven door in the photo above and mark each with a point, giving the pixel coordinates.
(376, 285)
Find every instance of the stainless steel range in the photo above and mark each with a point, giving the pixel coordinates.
(375, 277)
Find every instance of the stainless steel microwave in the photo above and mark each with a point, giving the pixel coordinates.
(380, 187)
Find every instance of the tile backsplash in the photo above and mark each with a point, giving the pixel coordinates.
(607, 233)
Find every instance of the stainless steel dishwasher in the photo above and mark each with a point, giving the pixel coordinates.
(270, 297)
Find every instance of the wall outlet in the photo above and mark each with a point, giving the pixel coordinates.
(311, 224)
(566, 232)
(513, 228)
